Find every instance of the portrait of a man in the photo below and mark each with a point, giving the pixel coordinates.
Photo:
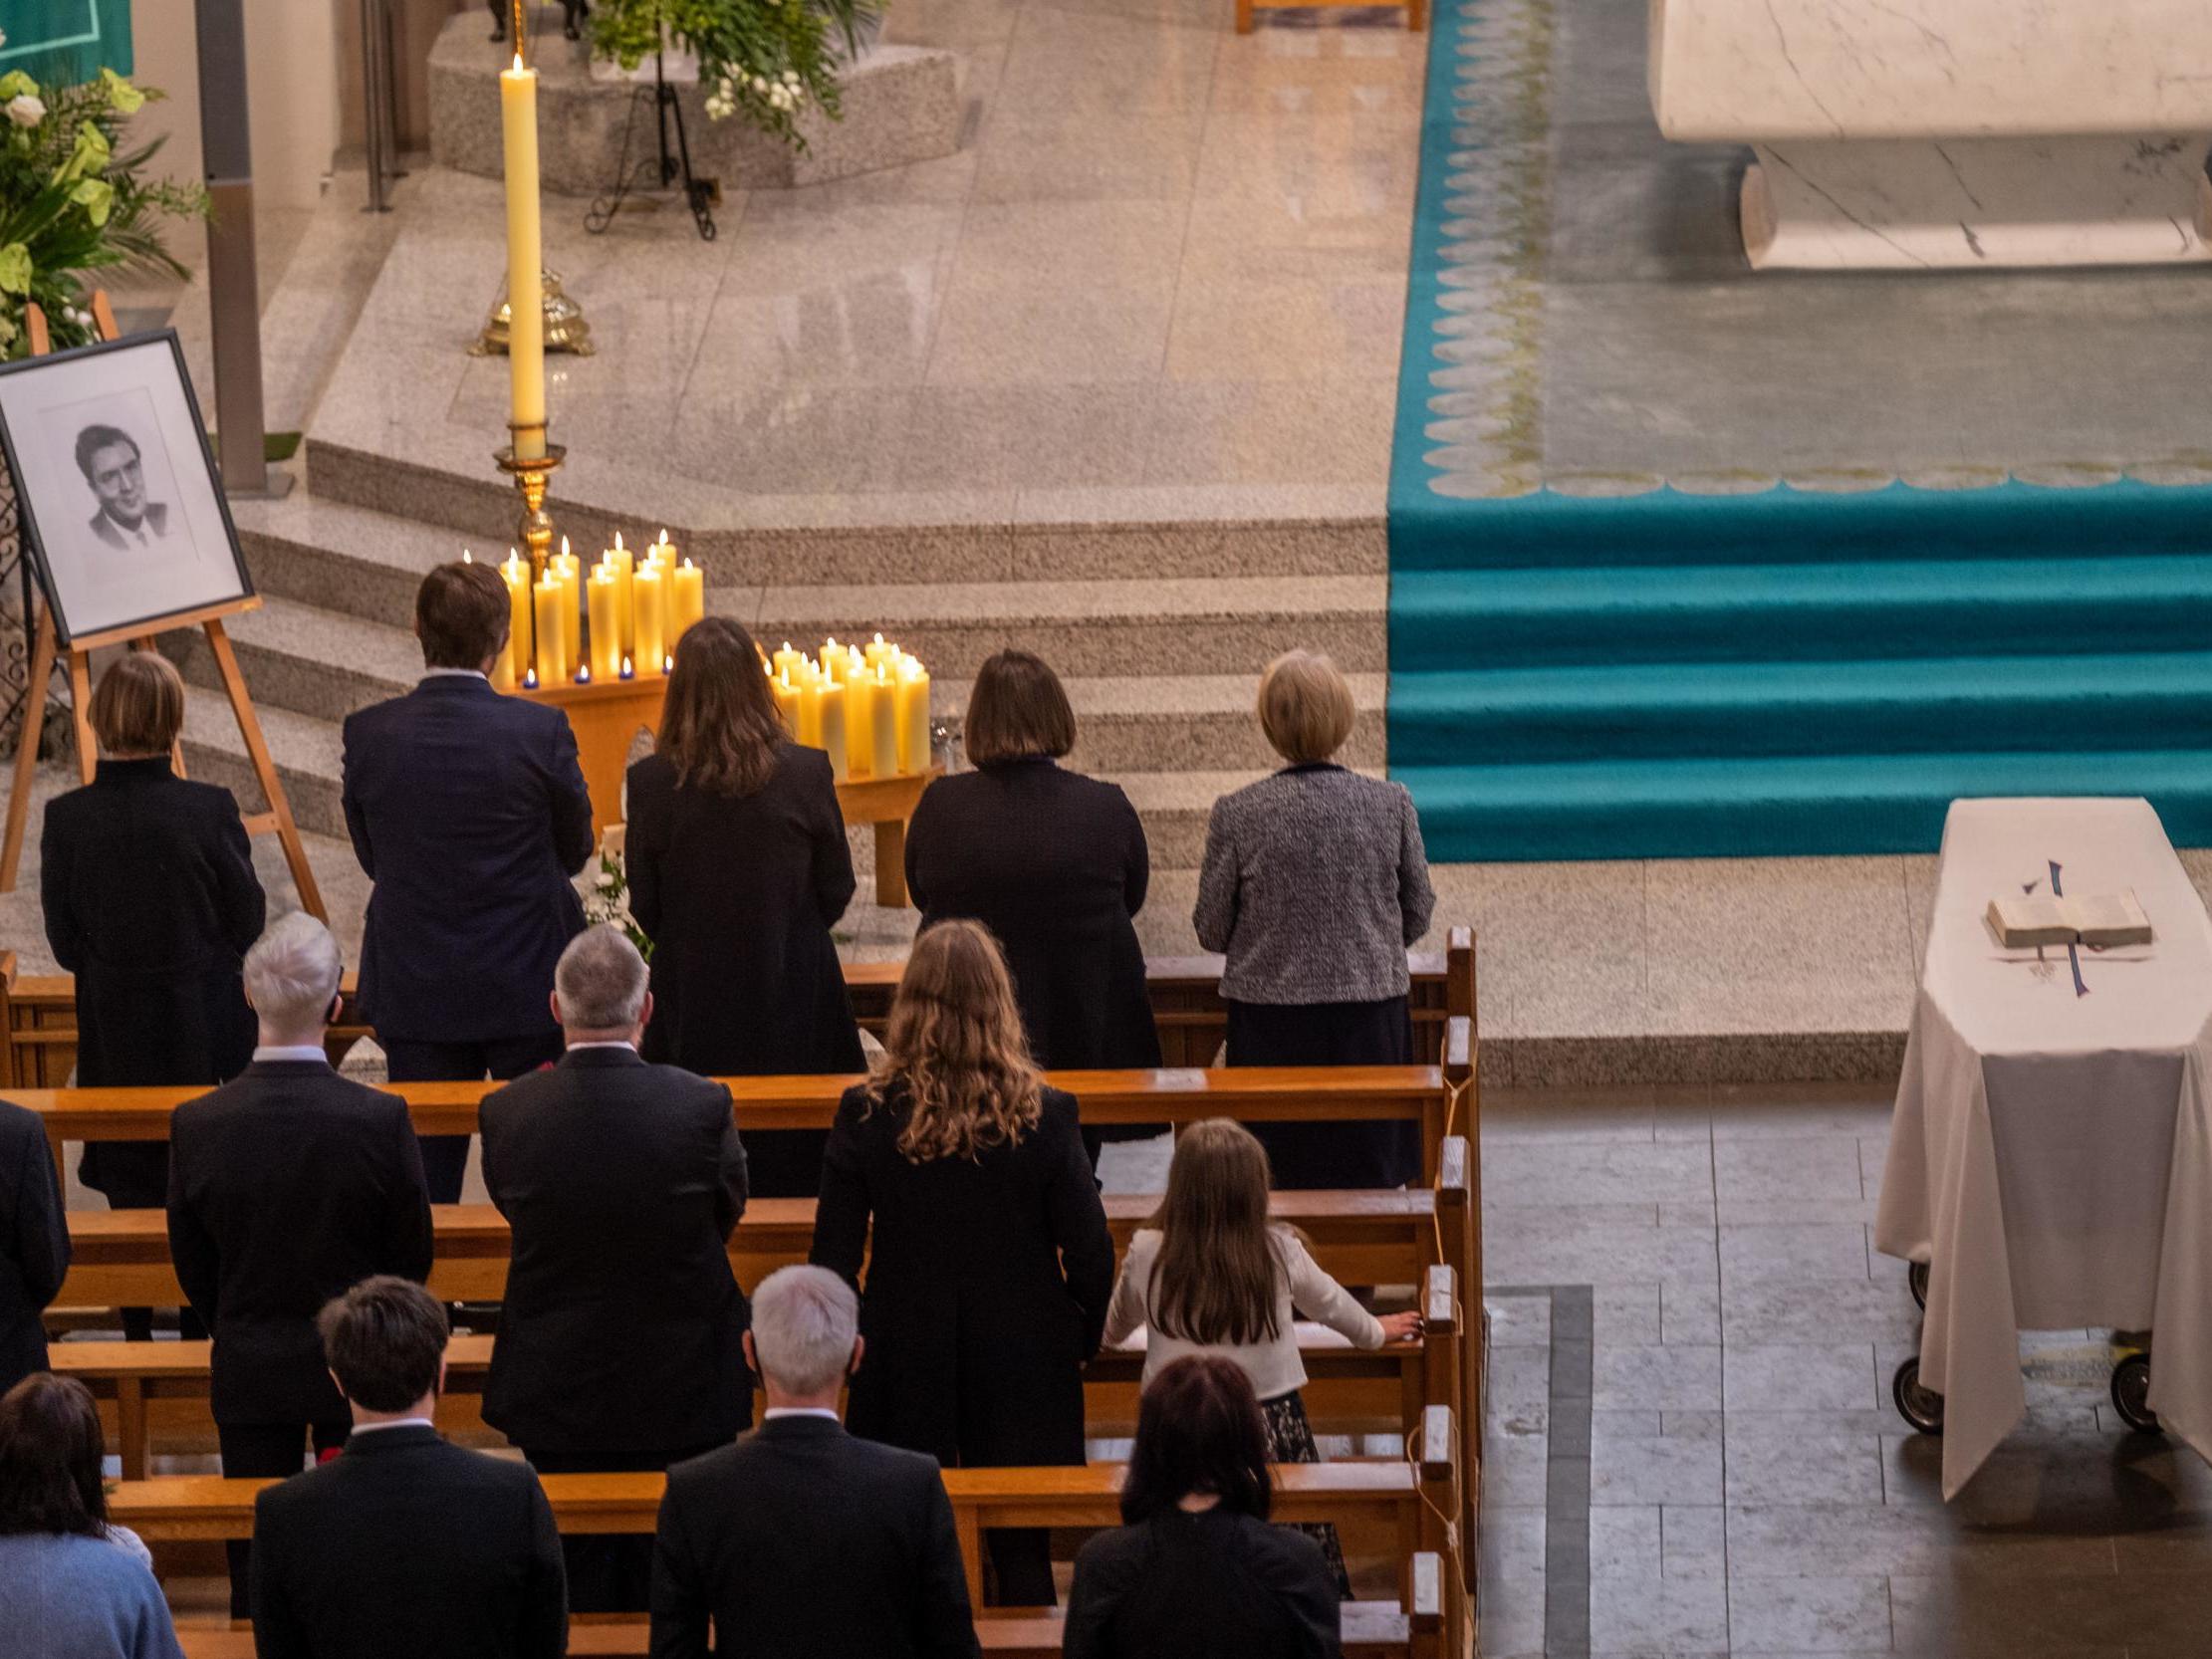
(114, 467)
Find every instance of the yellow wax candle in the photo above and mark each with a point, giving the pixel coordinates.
(572, 614)
(686, 599)
(813, 692)
(787, 660)
(831, 735)
(884, 733)
(551, 636)
(859, 725)
(514, 662)
(912, 716)
(832, 658)
(526, 338)
(875, 652)
(787, 702)
(648, 593)
(623, 563)
(603, 596)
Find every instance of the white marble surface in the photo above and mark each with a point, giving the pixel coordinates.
(1931, 69)
(1949, 133)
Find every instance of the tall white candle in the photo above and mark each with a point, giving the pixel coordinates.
(526, 336)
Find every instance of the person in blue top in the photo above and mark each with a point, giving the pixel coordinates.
(71, 1585)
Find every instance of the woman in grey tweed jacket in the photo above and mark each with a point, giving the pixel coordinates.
(1315, 883)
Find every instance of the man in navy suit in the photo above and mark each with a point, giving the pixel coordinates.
(468, 811)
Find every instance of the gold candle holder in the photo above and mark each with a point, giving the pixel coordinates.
(534, 530)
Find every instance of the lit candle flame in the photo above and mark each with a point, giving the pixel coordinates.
(467, 557)
(518, 64)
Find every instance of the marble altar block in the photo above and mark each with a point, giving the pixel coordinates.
(1950, 133)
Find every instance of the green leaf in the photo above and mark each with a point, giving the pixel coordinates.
(96, 197)
(15, 269)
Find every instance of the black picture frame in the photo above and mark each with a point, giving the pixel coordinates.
(37, 522)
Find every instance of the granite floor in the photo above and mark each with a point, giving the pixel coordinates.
(1711, 1466)
(1165, 258)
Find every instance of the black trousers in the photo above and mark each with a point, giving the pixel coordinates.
(266, 1449)
(134, 1175)
(1021, 1566)
(502, 1059)
(609, 1573)
(1331, 1156)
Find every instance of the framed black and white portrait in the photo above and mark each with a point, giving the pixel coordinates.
(121, 507)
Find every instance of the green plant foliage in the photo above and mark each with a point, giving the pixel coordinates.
(75, 202)
(763, 60)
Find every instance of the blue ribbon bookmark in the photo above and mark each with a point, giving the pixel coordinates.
(2072, 952)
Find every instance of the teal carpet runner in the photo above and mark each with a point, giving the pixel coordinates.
(1734, 666)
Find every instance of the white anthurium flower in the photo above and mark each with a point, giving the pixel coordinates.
(26, 109)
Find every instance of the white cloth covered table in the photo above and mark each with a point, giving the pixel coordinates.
(2050, 1155)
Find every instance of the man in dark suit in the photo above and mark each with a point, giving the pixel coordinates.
(620, 1339)
(403, 1545)
(34, 1243)
(469, 812)
(801, 1540)
(286, 1185)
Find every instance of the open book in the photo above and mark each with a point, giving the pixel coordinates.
(2101, 921)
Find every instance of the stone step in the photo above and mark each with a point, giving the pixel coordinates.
(308, 660)
(1179, 626)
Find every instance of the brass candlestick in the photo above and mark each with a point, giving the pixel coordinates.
(530, 473)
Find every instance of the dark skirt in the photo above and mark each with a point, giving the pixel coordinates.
(1337, 1155)
(1290, 1439)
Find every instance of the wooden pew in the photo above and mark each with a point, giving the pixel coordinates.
(1395, 1498)
(1427, 1095)
(1349, 1390)
(38, 1013)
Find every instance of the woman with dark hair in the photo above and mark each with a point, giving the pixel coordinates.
(1197, 1571)
(71, 1585)
(991, 1265)
(1054, 864)
(151, 901)
(738, 868)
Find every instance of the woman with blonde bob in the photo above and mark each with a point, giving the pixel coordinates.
(991, 1265)
(1313, 885)
(738, 868)
(1212, 1275)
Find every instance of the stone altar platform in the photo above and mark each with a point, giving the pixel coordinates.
(1950, 133)
(902, 105)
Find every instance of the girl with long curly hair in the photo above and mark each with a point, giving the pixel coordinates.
(991, 1265)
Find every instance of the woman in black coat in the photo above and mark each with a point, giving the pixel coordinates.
(1054, 864)
(738, 867)
(1197, 1571)
(151, 901)
(991, 1267)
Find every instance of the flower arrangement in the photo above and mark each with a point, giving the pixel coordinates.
(607, 899)
(764, 60)
(73, 202)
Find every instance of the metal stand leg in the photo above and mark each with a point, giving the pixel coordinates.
(701, 195)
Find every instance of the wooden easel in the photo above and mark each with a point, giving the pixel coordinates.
(45, 648)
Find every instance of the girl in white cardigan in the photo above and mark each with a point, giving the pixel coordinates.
(1213, 1275)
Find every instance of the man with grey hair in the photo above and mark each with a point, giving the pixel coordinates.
(288, 1185)
(801, 1540)
(620, 1340)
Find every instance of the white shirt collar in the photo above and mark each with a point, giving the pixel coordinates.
(395, 1423)
(608, 1043)
(465, 673)
(775, 1411)
(292, 1051)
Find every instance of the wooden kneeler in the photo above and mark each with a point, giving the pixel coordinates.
(45, 648)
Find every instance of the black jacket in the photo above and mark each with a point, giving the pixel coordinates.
(287, 1186)
(802, 1541)
(623, 1324)
(1194, 1586)
(468, 811)
(403, 1545)
(1054, 865)
(987, 1285)
(151, 901)
(738, 894)
(34, 1243)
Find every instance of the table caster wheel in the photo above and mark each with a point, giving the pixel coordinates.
(2132, 1393)
(1921, 1407)
(1917, 1276)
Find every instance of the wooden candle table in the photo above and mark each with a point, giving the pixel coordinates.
(607, 715)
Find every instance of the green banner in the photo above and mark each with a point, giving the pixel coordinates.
(65, 40)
